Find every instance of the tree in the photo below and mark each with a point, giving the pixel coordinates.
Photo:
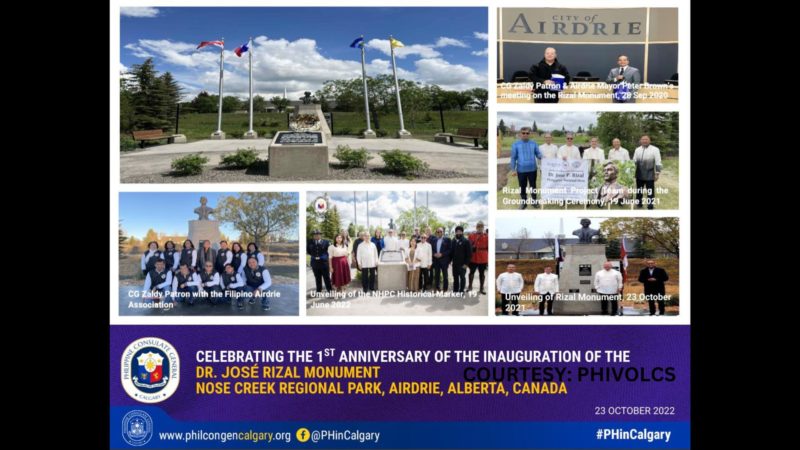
(205, 102)
(662, 233)
(405, 221)
(480, 97)
(230, 104)
(279, 102)
(502, 127)
(522, 237)
(535, 128)
(351, 230)
(580, 129)
(627, 127)
(312, 220)
(151, 236)
(331, 223)
(260, 215)
(259, 104)
(146, 96)
(590, 130)
(169, 95)
(121, 238)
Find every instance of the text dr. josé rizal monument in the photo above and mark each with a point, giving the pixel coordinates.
(581, 262)
(204, 228)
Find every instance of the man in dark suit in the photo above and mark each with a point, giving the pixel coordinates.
(318, 250)
(441, 258)
(653, 279)
(626, 74)
(460, 253)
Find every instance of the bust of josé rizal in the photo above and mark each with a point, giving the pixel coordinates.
(584, 233)
(203, 211)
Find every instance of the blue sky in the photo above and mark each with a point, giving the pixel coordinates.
(467, 207)
(300, 48)
(167, 212)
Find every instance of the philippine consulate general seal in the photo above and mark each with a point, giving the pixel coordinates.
(150, 370)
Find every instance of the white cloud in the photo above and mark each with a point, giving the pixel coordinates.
(448, 76)
(480, 35)
(138, 11)
(450, 42)
(295, 65)
(483, 52)
(422, 50)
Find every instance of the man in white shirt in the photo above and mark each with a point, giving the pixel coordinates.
(608, 283)
(546, 285)
(548, 149)
(594, 152)
(367, 258)
(618, 153)
(509, 285)
(648, 167)
(390, 242)
(568, 150)
(185, 285)
(425, 252)
(403, 241)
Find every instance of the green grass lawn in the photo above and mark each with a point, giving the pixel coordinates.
(667, 180)
(422, 125)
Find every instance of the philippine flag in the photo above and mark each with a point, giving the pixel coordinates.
(219, 44)
(241, 49)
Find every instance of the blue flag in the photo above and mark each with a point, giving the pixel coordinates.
(358, 43)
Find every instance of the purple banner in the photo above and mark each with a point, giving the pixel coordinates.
(641, 373)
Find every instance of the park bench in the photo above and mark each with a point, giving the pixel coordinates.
(152, 135)
(473, 134)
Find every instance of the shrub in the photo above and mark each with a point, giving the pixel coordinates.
(273, 132)
(343, 131)
(402, 163)
(352, 158)
(242, 159)
(381, 133)
(189, 165)
(485, 143)
(126, 143)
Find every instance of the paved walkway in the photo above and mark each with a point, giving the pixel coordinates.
(470, 161)
(355, 304)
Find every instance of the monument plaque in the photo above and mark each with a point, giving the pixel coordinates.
(584, 270)
(392, 257)
(299, 137)
(392, 271)
(299, 154)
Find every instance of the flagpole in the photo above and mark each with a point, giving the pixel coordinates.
(402, 133)
(368, 133)
(251, 134)
(219, 134)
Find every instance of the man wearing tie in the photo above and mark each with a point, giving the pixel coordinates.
(653, 279)
(441, 258)
(624, 73)
(318, 250)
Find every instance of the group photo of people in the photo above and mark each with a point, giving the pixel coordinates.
(206, 271)
(399, 252)
(578, 160)
(602, 55)
(587, 266)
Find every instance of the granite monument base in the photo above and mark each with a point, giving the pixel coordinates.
(581, 263)
(179, 139)
(404, 134)
(392, 272)
(369, 134)
(218, 135)
(204, 230)
(298, 154)
(250, 135)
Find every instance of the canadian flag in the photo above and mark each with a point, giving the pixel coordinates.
(623, 256)
(219, 44)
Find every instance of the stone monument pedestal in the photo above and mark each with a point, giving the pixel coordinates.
(315, 109)
(250, 135)
(404, 134)
(438, 137)
(204, 230)
(179, 139)
(298, 154)
(369, 134)
(581, 263)
(218, 135)
(392, 272)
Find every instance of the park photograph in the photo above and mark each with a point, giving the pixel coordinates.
(587, 266)
(583, 160)
(208, 254)
(252, 95)
(397, 253)
(587, 55)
